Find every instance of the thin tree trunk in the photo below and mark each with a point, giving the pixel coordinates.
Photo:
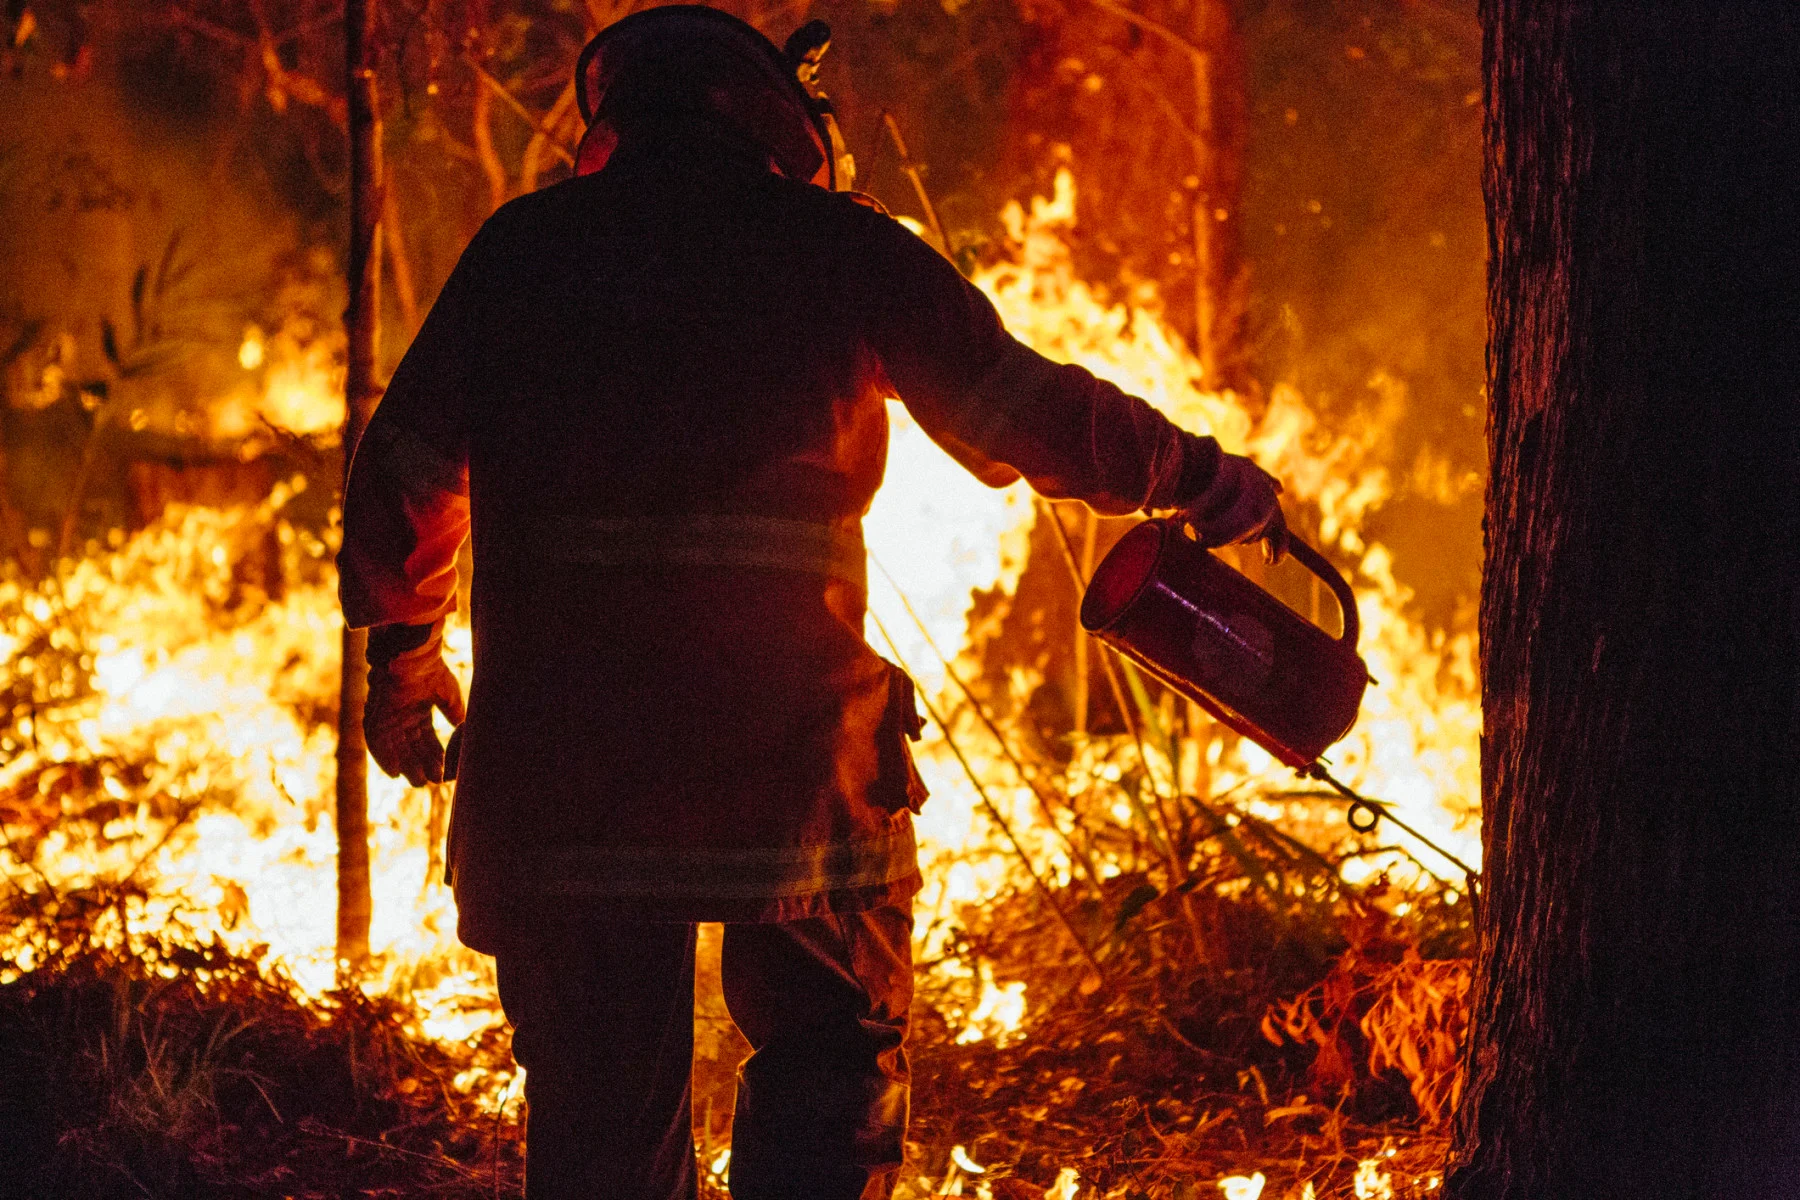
(84, 474)
(15, 538)
(362, 391)
(543, 139)
(482, 132)
(1090, 532)
(393, 240)
(1639, 979)
(1221, 120)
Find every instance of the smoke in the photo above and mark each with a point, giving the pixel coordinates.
(146, 229)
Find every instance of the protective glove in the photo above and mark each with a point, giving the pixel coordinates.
(1240, 505)
(404, 688)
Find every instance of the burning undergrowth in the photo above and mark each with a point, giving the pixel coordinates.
(164, 1028)
(1151, 962)
(1261, 1017)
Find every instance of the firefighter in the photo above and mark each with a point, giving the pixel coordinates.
(654, 398)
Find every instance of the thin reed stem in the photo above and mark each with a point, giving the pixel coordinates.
(1080, 855)
(1178, 875)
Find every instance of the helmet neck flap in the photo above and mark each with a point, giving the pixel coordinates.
(664, 68)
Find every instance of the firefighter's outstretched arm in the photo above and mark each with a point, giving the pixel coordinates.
(1003, 410)
(406, 514)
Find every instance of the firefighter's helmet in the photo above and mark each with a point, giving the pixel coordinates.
(687, 59)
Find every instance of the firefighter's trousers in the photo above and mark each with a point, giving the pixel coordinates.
(603, 1019)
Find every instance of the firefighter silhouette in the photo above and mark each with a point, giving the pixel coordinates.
(654, 397)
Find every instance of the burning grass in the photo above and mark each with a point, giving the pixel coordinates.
(167, 1029)
(1150, 964)
(1321, 1034)
(175, 1070)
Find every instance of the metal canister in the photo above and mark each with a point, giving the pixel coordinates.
(1172, 606)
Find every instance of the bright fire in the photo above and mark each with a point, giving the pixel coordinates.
(173, 687)
(937, 533)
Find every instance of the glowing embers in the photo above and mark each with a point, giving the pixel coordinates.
(293, 385)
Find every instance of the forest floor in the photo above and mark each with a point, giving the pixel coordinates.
(188, 1073)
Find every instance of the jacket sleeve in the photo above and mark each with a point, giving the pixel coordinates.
(406, 503)
(1003, 410)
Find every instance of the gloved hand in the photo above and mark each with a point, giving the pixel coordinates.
(1240, 505)
(404, 688)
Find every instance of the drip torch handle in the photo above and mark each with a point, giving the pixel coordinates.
(1315, 562)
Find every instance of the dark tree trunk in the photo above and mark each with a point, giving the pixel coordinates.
(1638, 1011)
(361, 390)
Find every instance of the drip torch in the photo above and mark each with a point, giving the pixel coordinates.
(1164, 601)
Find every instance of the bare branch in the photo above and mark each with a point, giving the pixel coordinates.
(1163, 105)
(914, 173)
(1151, 26)
(482, 133)
(531, 163)
(514, 103)
(206, 28)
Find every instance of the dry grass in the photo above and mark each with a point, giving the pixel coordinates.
(1167, 1082)
(184, 1071)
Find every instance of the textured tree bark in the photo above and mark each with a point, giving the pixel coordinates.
(1639, 982)
(362, 391)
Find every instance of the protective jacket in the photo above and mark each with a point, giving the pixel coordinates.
(655, 398)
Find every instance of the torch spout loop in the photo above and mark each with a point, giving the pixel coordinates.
(1365, 814)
